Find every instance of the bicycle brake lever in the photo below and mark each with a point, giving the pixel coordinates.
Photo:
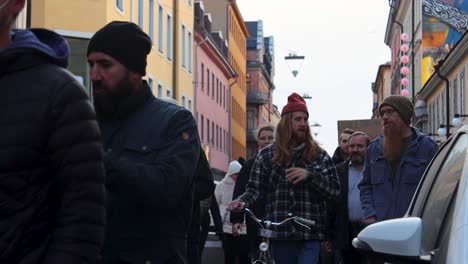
(297, 222)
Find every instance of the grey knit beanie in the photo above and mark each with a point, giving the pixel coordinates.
(402, 105)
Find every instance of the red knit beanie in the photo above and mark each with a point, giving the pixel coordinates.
(295, 104)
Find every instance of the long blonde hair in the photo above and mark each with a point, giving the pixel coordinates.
(283, 149)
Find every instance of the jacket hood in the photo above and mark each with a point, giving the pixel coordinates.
(234, 167)
(35, 46)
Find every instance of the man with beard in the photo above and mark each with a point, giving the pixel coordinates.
(51, 169)
(346, 215)
(297, 177)
(151, 152)
(395, 162)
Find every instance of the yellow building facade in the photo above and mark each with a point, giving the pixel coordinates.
(238, 34)
(169, 23)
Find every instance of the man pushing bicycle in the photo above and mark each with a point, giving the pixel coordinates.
(297, 177)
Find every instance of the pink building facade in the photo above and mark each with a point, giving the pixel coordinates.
(213, 76)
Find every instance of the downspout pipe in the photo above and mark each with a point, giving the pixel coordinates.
(28, 13)
(230, 115)
(175, 49)
(413, 82)
(447, 101)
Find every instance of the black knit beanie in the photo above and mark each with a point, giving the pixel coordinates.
(125, 42)
(402, 105)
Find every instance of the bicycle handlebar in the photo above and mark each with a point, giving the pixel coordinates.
(302, 221)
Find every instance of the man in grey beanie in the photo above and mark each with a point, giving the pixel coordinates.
(395, 162)
(151, 152)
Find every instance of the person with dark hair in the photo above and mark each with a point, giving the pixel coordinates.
(346, 213)
(52, 172)
(297, 177)
(341, 152)
(264, 138)
(151, 154)
(395, 162)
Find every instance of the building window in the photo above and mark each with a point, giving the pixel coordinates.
(183, 46)
(207, 130)
(190, 105)
(462, 91)
(212, 85)
(151, 20)
(169, 37)
(189, 45)
(159, 90)
(217, 136)
(202, 76)
(150, 83)
(202, 128)
(168, 92)
(208, 82)
(160, 29)
(225, 142)
(455, 95)
(217, 91)
(183, 101)
(212, 133)
(119, 4)
(140, 13)
(221, 139)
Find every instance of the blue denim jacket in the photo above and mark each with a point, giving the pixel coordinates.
(387, 197)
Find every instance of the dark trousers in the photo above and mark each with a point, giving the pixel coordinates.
(350, 254)
(235, 247)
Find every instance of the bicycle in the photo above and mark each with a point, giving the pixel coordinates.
(266, 233)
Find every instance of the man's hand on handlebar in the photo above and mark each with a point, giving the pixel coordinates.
(236, 206)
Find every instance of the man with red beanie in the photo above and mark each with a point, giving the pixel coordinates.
(297, 177)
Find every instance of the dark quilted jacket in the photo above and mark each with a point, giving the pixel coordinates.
(51, 171)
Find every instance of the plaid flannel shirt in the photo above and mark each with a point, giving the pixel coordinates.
(307, 199)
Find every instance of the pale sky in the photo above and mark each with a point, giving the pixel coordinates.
(343, 45)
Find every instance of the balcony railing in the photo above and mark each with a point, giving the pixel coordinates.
(258, 98)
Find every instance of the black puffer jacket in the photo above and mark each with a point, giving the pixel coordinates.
(51, 171)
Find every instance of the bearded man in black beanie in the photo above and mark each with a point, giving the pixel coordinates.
(151, 152)
(395, 162)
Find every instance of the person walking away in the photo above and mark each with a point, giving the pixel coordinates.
(209, 209)
(395, 162)
(52, 175)
(151, 152)
(297, 177)
(235, 247)
(203, 188)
